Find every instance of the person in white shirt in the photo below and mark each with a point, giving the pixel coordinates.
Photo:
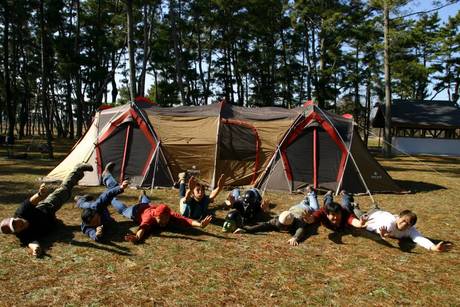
(388, 225)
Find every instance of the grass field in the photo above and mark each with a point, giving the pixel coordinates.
(212, 268)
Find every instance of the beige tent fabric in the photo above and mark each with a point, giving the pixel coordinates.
(84, 151)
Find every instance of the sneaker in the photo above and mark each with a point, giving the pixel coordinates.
(108, 168)
(85, 167)
(182, 176)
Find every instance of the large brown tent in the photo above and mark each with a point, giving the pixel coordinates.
(151, 145)
(325, 150)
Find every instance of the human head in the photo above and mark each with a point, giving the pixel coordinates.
(198, 191)
(286, 218)
(230, 199)
(91, 217)
(233, 220)
(333, 212)
(250, 197)
(13, 225)
(162, 215)
(406, 220)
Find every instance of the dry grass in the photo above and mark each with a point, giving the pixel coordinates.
(212, 268)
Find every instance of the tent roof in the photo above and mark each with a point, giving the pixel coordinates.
(418, 114)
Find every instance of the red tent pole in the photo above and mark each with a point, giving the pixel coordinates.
(315, 158)
(125, 153)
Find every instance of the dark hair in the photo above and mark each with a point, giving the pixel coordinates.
(87, 214)
(412, 216)
(332, 207)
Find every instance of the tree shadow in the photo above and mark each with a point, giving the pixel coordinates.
(418, 186)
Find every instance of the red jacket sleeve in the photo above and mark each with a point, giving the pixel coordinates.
(178, 220)
(147, 219)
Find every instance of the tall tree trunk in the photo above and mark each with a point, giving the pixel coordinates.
(45, 105)
(132, 61)
(387, 130)
(6, 70)
(177, 51)
(78, 93)
(69, 113)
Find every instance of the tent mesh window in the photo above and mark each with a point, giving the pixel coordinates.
(237, 143)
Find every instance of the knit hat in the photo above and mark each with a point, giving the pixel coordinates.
(286, 218)
(6, 226)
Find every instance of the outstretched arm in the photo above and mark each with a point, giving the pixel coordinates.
(216, 191)
(442, 247)
(204, 222)
(359, 223)
(135, 238)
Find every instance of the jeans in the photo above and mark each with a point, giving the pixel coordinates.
(129, 212)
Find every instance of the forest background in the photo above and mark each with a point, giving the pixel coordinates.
(62, 59)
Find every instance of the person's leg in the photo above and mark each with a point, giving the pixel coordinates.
(121, 208)
(185, 209)
(261, 227)
(56, 199)
(109, 181)
(313, 200)
(328, 198)
(182, 189)
(346, 201)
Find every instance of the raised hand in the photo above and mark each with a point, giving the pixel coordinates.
(384, 232)
(124, 184)
(99, 231)
(220, 182)
(205, 222)
(192, 183)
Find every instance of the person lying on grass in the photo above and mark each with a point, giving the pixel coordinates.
(401, 226)
(36, 216)
(249, 206)
(335, 217)
(146, 214)
(193, 201)
(293, 221)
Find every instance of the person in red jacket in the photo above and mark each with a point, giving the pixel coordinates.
(148, 215)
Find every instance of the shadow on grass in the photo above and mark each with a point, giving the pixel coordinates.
(371, 236)
(65, 234)
(418, 186)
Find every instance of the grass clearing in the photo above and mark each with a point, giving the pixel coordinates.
(212, 268)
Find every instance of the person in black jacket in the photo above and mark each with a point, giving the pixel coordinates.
(36, 216)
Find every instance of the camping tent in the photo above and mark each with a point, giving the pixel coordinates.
(124, 136)
(150, 145)
(325, 150)
(279, 148)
